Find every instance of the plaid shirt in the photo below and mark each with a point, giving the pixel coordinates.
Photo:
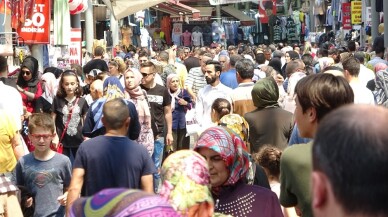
(6, 185)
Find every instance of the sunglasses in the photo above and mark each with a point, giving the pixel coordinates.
(24, 72)
(146, 75)
(44, 136)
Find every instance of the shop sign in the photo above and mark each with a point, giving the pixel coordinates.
(266, 9)
(346, 16)
(191, 19)
(37, 29)
(368, 16)
(356, 11)
(75, 46)
(177, 28)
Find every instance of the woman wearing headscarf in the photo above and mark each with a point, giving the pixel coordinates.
(50, 87)
(268, 123)
(228, 162)
(121, 202)
(134, 93)
(28, 83)
(186, 184)
(180, 103)
(93, 125)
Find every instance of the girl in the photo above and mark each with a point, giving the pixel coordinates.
(138, 96)
(69, 111)
(180, 103)
(50, 86)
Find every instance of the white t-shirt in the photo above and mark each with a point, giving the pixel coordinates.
(362, 95)
(365, 75)
(11, 101)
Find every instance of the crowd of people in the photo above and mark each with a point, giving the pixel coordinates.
(273, 130)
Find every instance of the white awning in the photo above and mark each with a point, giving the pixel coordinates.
(123, 8)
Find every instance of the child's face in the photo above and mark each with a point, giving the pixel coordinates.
(70, 84)
(41, 138)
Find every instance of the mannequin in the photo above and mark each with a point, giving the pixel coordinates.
(197, 38)
(176, 35)
(186, 38)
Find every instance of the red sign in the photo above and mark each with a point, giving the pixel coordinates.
(346, 16)
(37, 29)
(266, 9)
(75, 46)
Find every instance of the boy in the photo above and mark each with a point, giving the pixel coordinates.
(45, 173)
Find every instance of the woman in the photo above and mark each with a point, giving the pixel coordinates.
(289, 56)
(122, 202)
(228, 162)
(180, 103)
(93, 125)
(28, 83)
(50, 86)
(220, 108)
(186, 184)
(134, 93)
(117, 68)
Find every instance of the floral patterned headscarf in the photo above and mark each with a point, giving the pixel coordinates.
(186, 180)
(231, 148)
(117, 202)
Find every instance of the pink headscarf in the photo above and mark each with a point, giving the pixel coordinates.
(50, 86)
(380, 66)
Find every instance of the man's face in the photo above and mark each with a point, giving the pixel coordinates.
(148, 75)
(210, 75)
(302, 120)
(213, 52)
(223, 61)
(203, 60)
(143, 60)
(186, 52)
(267, 55)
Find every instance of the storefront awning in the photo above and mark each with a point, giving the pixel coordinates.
(175, 9)
(123, 8)
(239, 15)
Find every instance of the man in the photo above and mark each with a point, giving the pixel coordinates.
(225, 62)
(378, 48)
(241, 96)
(213, 90)
(168, 69)
(111, 160)
(192, 61)
(316, 96)
(97, 62)
(267, 54)
(361, 93)
(96, 89)
(228, 78)
(10, 105)
(160, 107)
(232, 50)
(361, 156)
(196, 77)
(365, 74)
(295, 72)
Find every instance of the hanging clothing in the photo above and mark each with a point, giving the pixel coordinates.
(62, 25)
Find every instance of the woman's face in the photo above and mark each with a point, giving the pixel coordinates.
(288, 58)
(70, 84)
(27, 74)
(219, 173)
(174, 84)
(130, 80)
(113, 70)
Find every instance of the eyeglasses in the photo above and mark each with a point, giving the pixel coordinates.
(25, 72)
(44, 136)
(146, 75)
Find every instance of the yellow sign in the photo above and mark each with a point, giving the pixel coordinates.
(356, 11)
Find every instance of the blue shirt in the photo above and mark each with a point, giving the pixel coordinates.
(229, 78)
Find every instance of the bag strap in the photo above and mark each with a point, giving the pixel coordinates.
(68, 120)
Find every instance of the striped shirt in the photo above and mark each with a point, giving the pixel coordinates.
(195, 79)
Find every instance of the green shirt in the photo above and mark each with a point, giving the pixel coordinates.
(295, 172)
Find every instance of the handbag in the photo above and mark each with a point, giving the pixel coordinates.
(6, 49)
(59, 147)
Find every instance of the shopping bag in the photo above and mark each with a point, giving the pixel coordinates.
(192, 125)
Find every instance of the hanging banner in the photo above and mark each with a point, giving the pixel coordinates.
(222, 2)
(37, 29)
(266, 9)
(356, 11)
(75, 46)
(346, 16)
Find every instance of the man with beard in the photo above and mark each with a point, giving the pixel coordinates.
(213, 90)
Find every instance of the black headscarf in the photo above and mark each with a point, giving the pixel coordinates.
(31, 64)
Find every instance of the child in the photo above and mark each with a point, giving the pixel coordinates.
(69, 111)
(45, 173)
